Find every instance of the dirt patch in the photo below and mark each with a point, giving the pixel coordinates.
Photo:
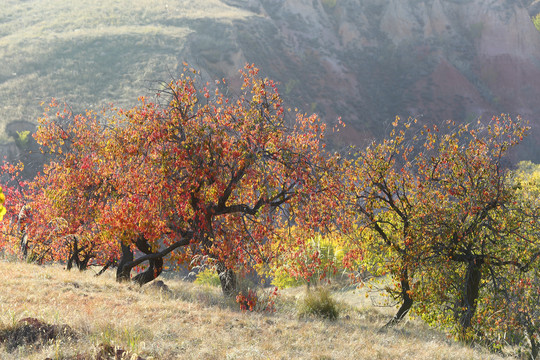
(31, 331)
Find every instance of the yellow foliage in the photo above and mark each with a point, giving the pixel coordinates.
(208, 276)
(527, 178)
(318, 258)
(2, 200)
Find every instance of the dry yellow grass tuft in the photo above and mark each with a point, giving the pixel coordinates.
(194, 322)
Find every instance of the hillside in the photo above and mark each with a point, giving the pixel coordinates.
(364, 60)
(99, 317)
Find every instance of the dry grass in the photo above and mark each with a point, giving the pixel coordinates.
(194, 322)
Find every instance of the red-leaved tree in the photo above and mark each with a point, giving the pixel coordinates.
(195, 176)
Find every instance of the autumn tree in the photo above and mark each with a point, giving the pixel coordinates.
(517, 299)
(440, 212)
(13, 239)
(194, 175)
(381, 188)
(477, 231)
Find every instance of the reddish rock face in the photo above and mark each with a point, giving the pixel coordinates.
(365, 61)
(368, 61)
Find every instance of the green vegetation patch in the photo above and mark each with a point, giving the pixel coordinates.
(318, 303)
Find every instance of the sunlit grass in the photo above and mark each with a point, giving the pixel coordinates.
(195, 322)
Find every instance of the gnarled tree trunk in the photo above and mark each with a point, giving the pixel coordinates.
(155, 265)
(407, 300)
(75, 251)
(123, 272)
(227, 277)
(155, 268)
(469, 296)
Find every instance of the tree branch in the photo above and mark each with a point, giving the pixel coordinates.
(183, 242)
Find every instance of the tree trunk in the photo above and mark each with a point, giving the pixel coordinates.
(227, 277)
(155, 259)
(467, 305)
(24, 245)
(22, 226)
(107, 265)
(407, 300)
(75, 251)
(123, 272)
(534, 343)
(83, 264)
(155, 266)
(73, 255)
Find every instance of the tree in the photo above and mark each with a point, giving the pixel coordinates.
(478, 232)
(200, 177)
(381, 188)
(519, 300)
(441, 214)
(13, 227)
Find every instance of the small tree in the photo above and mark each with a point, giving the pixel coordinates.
(519, 320)
(13, 239)
(382, 188)
(441, 214)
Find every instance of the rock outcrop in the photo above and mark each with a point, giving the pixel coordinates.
(368, 61)
(363, 60)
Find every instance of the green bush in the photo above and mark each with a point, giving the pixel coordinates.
(208, 276)
(318, 303)
(329, 3)
(330, 254)
(536, 22)
(22, 139)
(282, 279)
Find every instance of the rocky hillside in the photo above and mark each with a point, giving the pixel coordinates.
(369, 60)
(363, 60)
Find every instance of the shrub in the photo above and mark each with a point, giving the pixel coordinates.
(34, 332)
(22, 139)
(329, 3)
(261, 301)
(319, 259)
(208, 276)
(536, 22)
(282, 279)
(319, 303)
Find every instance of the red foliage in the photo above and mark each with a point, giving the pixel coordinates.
(200, 174)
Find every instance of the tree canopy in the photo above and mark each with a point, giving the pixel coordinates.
(194, 174)
(196, 177)
(441, 212)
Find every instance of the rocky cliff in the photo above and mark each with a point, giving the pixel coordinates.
(363, 60)
(369, 60)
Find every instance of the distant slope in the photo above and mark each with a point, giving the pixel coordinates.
(363, 60)
(92, 52)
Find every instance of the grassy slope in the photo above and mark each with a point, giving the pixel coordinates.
(196, 323)
(92, 52)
